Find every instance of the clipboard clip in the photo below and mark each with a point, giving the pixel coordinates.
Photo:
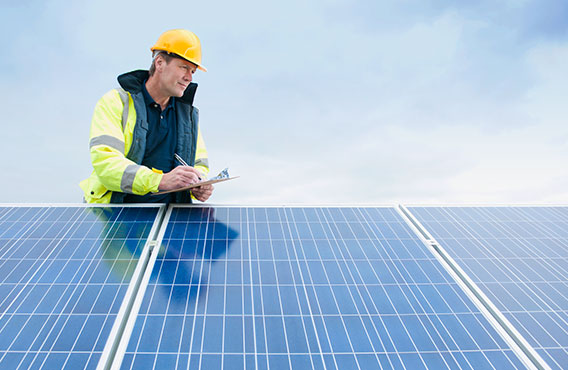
(222, 175)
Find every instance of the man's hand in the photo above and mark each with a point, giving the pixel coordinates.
(179, 177)
(202, 193)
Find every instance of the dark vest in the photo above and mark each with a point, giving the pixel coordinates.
(187, 125)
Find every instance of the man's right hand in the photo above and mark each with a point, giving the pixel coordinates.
(179, 177)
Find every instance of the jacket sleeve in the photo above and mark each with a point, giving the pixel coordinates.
(201, 159)
(108, 144)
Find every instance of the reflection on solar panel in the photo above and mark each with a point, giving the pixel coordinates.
(63, 275)
(518, 256)
(316, 288)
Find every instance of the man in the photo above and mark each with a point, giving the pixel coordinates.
(137, 129)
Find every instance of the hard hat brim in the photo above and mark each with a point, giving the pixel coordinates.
(199, 66)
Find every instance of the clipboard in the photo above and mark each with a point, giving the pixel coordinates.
(197, 184)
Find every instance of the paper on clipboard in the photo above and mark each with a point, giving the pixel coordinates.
(222, 176)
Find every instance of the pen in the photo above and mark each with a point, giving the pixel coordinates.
(180, 159)
(183, 163)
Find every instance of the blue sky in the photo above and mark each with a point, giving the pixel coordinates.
(309, 102)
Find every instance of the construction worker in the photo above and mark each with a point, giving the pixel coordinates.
(138, 129)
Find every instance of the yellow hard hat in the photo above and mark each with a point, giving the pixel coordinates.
(183, 43)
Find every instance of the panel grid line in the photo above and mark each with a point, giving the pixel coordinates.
(249, 245)
(260, 291)
(184, 313)
(165, 317)
(279, 297)
(296, 295)
(206, 308)
(349, 290)
(198, 300)
(302, 284)
(388, 297)
(327, 223)
(224, 310)
(306, 292)
(243, 265)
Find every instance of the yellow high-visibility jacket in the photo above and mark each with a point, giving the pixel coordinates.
(118, 142)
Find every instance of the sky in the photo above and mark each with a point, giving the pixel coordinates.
(317, 102)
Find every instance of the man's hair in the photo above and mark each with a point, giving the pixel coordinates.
(167, 57)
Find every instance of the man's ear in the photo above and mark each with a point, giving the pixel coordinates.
(159, 63)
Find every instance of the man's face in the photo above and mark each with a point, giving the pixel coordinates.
(175, 76)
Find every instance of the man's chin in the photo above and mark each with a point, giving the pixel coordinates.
(182, 90)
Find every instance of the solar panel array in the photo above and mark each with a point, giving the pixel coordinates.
(303, 288)
(63, 275)
(280, 287)
(518, 256)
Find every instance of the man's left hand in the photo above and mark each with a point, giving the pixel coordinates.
(202, 193)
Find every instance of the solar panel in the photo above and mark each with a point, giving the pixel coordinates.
(518, 256)
(323, 288)
(64, 272)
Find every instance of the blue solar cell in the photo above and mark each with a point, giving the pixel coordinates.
(519, 257)
(63, 274)
(304, 288)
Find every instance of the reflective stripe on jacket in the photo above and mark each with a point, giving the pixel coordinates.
(117, 151)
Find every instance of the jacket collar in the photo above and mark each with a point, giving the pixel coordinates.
(132, 82)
